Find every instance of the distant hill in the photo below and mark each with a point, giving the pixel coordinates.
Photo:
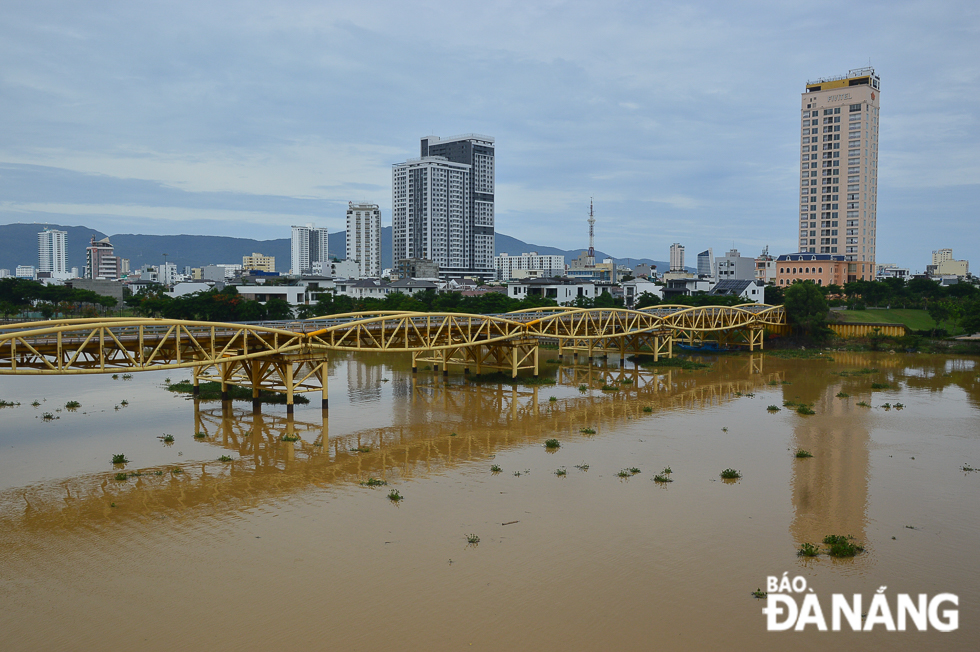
(18, 246)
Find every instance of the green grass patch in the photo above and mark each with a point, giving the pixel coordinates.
(661, 478)
(495, 468)
(804, 409)
(773, 408)
(224, 458)
(552, 443)
(561, 472)
(799, 354)
(842, 395)
(801, 453)
(841, 546)
(863, 404)
(808, 550)
(72, 405)
(623, 473)
(119, 458)
(647, 408)
(374, 482)
(506, 379)
(917, 320)
(472, 539)
(4, 404)
(394, 496)
(211, 391)
(731, 474)
(587, 431)
(200, 435)
(880, 386)
(609, 388)
(289, 438)
(676, 363)
(122, 476)
(582, 467)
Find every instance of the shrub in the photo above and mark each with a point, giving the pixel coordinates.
(552, 443)
(731, 474)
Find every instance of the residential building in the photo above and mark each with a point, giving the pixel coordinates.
(416, 268)
(295, 295)
(411, 286)
(188, 287)
(563, 290)
(338, 269)
(364, 288)
(101, 261)
(218, 273)
(677, 257)
(505, 265)
(112, 289)
(943, 264)
(680, 284)
(4, 273)
(26, 271)
(838, 201)
(634, 289)
(364, 238)
(822, 269)
(584, 267)
(735, 267)
(477, 152)
(643, 270)
(258, 262)
(706, 263)
(167, 274)
(893, 271)
(51, 256)
(765, 268)
(749, 290)
(308, 245)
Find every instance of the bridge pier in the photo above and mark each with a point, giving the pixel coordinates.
(197, 382)
(323, 385)
(289, 388)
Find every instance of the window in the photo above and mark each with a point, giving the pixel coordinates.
(854, 107)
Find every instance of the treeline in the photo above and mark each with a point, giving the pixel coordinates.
(20, 296)
(213, 305)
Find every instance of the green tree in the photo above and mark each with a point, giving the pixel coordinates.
(806, 309)
(773, 295)
(646, 300)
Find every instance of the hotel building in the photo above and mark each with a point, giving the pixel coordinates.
(839, 169)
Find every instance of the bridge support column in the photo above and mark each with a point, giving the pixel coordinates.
(323, 387)
(224, 382)
(415, 362)
(536, 350)
(289, 388)
(256, 378)
(197, 382)
(445, 362)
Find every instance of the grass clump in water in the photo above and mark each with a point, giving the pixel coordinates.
(731, 474)
(677, 363)
(582, 467)
(211, 391)
(773, 408)
(808, 550)
(841, 546)
(289, 438)
(773, 382)
(880, 386)
(472, 539)
(119, 459)
(122, 476)
(176, 470)
(167, 439)
(864, 404)
(609, 388)
(626, 381)
(842, 395)
(4, 404)
(47, 416)
(506, 379)
(662, 478)
(361, 449)
(374, 482)
(35, 403)
(72, 405)
(552, 399)
(587, 431)
(899, 406)
(124, 402)
(200, 435)
(804, 409)
(647, 408)
(561, 472)
(495, 468)
(552, 444)
(634, 470)
(801, 453)
(624, 473)
(394, 496)
(224, 458)
(583, 388)
(759, 594)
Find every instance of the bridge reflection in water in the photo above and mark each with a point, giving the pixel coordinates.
(452, 422)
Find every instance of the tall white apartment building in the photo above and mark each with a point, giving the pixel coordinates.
(505, 265)
(677, 257)
(308, 245)
(51, 256)
(364, 238)
(839, 169)
(430, 213)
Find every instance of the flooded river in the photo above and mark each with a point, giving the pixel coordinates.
(262, 532)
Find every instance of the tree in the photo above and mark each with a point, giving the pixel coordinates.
(278, 309)
(645, 300)
(806, 308)
(773, 295)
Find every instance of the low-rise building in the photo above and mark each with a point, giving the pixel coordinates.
(563, 290)
(644, 270)
(507, 267)
(295, 295)
(634, 289)
(411, 286)
(188, 287)
(259, 262)
(679, 284)
(765, 268)
(734, 267)
(26, 271)
(112, 289)
(416, 268)
(822, 269)
(364, 288)
(747, 290)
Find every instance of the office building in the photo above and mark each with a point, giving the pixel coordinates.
(101, 261)
(364, 238)
(308, 245)
(507, 266)
(706, 263)
(257, 262)
(735, 267)
(26, 271)
(477, 153)
(677, 257)
(839, 169)
(51, 255)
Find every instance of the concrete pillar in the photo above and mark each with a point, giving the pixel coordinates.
(323, 386)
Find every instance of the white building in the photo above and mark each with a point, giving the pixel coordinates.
(365, 288)
(25, 271)
(295, 295)
(308, 245)
(364, 238)
(506, 265)
(51, 256)
(167, 274)
(431, 213)
(634, 289)
(563, 290)
(4, 273)
(677, 257)
(411, 286)
(735, 267)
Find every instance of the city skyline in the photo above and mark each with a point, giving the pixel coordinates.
(184, 147)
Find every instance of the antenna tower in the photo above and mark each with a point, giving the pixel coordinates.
(591, 234)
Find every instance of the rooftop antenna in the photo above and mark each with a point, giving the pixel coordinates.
(591, 235)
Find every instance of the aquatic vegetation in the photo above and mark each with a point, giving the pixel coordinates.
(47, 416)
(552, 399)
(582, 467)
(667, 470)
(773, 382)
(864, 404)
(167, 439)
(561, 472)
(968, 468)
(176, 470)
(680, 363)
(211, 391)
(507, 379)
(200, 435)
(374, 482)
(662, 478)
(773, 408)
(452, 434)
(122, 476)
(841, 546)
(804, 409)
(361, 449)
(115, 376)
(842, 395)
(158, 473)
(749, 395)
(801, 453)
(609, 388)
(127, 376)
(886, 406)
(587, 431)
(224, 458)
(759, 594)
(731, 474)
(124, 402)
(880, 385)
(623, 473)
(4, 404)
(552, 443)
(583, 388)
(808, 550)
(633, 470)
(789, 404)
(472, 539)
(786, 382)
(647, 408)
(394, 496)
(72, 405)
(899, 406)
(495, 468)
(725, 429)
(35, 403)
(289, 438)
(626, 381)
(167, 380)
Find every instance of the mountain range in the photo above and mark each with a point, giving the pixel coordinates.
(18, 246)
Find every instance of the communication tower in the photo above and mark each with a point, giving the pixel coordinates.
(591, 235)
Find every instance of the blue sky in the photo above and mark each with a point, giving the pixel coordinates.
(681, 120)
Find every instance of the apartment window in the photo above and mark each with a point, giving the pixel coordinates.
(854, 107)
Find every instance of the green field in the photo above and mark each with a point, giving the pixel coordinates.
(914, 319)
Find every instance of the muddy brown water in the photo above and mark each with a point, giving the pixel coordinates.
(283, 545)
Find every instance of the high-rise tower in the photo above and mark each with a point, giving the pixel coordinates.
(51, 253)
(839, 169)
(308, 245)
(364, 238)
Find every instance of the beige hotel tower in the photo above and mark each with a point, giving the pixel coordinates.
(839, 169)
